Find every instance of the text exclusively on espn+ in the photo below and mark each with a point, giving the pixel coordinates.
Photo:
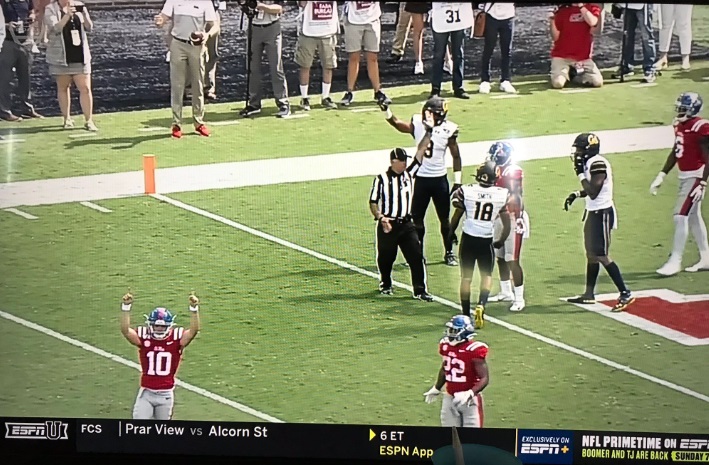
(665, 449)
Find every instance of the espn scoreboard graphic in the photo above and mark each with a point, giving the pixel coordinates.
(410, 444)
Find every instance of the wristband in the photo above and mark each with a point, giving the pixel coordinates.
(703, 183)
(194, 309)
(389, 114)
(457, 175)
(662, 174)
(582, 177)
(125, 307)
(577, 193)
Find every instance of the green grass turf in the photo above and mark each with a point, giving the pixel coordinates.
(49, 152)
(307, 341)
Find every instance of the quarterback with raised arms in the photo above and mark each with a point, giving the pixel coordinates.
(432, 177)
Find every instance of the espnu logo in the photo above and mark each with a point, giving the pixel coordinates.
(542, 446)
(52, 430)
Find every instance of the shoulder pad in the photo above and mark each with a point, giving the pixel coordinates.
(450, 126)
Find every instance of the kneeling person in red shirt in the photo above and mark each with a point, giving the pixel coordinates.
(572, 30)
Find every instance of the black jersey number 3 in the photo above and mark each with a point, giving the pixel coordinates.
(453, 16)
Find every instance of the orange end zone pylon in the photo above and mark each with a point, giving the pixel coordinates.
(149, 173)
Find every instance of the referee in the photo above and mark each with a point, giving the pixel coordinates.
(390, 203)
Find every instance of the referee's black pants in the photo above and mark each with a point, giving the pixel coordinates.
(402, 235)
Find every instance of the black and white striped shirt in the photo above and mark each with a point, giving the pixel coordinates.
(393, 192)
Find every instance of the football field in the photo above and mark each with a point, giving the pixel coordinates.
(293, 326)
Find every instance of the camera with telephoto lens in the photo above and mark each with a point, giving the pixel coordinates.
(248, 7)
(616, 11)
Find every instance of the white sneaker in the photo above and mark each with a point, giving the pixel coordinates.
(35, 49)
(502, 298)
(167, 57)
(418, 68)
(506, 86)
(703, 265)
(484, 88)
(518, 306)
(670, 268)
(685, 63)
(448, 66)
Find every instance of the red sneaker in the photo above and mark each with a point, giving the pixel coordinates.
(202, 130)
(176, 131)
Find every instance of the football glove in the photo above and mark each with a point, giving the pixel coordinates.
(431, 394)
(698, 193)
(464, 398)
(657, 182)
(570, 199)
(127, 299)
(383, 105)
(579, 165)
(498, 244)
(455, 188)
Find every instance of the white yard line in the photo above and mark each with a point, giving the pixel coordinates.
(574, 91)
(153, 129)
(644, 84)
(4, 141)
(21, 213)
(504, 324)
(302, 169)
(135, 366)
(96, 207)
(496, 97)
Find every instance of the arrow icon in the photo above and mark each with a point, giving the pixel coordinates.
(372, 434)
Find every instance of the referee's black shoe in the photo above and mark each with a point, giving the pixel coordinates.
(385, 290)
(582, 299)
(425, 296)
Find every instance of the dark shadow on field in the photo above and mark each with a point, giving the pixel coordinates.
(696, 75)
(118, 143)
(20, 129)
(314, 273)
(630, 277)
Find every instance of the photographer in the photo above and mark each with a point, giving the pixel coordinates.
(16, 53)
(572, 27)
(637, 15)
(193, 24)
(266, 36)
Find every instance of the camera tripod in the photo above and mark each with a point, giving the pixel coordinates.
(249, 13)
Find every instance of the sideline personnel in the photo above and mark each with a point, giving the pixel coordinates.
(390, 204)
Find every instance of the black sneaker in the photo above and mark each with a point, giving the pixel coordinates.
(381, 98)
(434, 93)
(650, 77)
(626, 298)
(573, 72)
(250, 111)
(284, 110)
(625, 73)
(305, 104)
(385, 290)
(394, 58)
(450, 259)
(461, 93)
(328, 104)
(347, 99)
(582, 299)
(425, 296)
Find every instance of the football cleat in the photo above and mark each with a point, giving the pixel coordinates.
(160, 322)
(385, 290)
(479, 314)
(625, 299)
(450, 259)
(459, 329)
(502, 298)
(672, 267)
(703, 265)
(425, 296)
(518, 306)
(582, 299)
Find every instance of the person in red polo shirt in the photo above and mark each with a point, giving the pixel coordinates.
(573, 26)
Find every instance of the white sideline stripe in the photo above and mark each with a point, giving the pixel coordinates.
(644, 84)
(153, 129)
(223, 123)
(135, 366)
(96, 207)
(302, 169)
(295, 115)
(498, 97)
(362, 110)
(574, 91)
(504, 324)
(706, 78)
(21, 213)
(10, 141)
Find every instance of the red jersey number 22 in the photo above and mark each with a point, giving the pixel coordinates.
(455, 370)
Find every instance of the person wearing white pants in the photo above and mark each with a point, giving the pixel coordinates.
(678, 19)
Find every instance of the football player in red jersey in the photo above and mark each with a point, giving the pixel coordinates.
(691, 155)
(465, 374)
(508, 256)
(160, 347)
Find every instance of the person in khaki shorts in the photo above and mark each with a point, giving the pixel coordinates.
(363, 29)
(317, 33)
(572, 29)
(193, 24)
